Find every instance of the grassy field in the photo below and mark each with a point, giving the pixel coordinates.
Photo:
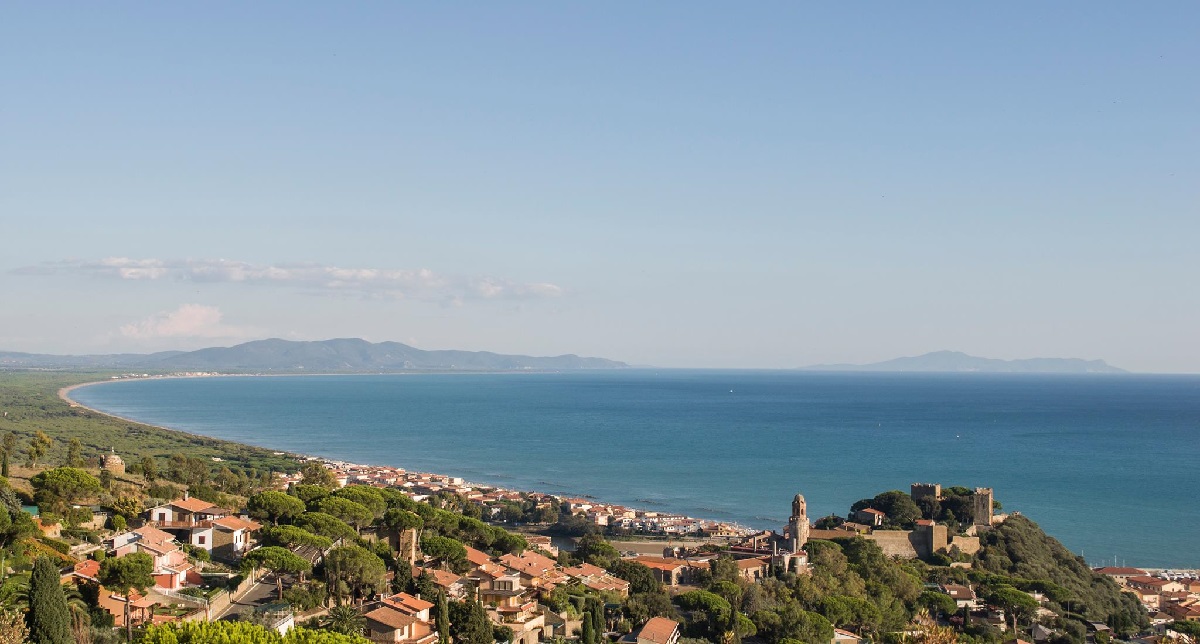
(29, 402)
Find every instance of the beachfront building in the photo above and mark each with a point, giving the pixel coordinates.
(1120, 574)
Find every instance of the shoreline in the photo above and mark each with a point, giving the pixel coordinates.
(64, 394)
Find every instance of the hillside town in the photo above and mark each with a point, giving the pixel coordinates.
(417, 558)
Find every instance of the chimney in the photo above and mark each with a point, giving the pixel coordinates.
(185, 495)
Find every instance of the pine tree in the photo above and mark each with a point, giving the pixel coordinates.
(48, 618)
(74, 453)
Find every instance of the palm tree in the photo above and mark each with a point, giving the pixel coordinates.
(81, 619)
(346, 620)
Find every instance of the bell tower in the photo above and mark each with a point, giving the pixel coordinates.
(798, 524)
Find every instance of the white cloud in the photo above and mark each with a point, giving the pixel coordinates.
(420, 283)
(187, 321)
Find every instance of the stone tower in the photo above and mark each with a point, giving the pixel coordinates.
(404, 542)
(983, 506)
(926, 490)
(112, 462)
(798, 524)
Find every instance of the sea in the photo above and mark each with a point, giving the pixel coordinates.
(1107, 464)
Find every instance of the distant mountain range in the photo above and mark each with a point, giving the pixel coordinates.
(350, 355)
(956, 361)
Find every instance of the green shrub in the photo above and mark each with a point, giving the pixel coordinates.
(60, 546)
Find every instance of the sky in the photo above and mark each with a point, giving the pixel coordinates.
(678, 184)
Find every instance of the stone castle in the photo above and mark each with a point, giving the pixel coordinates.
(927, 538)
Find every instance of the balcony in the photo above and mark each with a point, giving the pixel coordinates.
(181, 525)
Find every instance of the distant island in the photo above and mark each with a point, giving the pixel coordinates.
(345, 355)
(958, 362)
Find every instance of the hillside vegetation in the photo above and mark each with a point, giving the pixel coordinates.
(1020, 550)
(29, 403)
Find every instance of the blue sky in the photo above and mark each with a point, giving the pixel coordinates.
(682, 184)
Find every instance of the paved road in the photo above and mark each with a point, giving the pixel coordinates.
(262, 592)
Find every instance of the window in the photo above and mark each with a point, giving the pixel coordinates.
(200, 539)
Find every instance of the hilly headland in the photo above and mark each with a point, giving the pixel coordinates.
(341, 355)
(959, 362)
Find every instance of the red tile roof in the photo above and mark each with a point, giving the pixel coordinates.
(88, 568)
(529, 563)
(661, 563)
(1121, 571)
(153, 535)
(658, 630)
(443, 578)
(750, 564)
(391, 617)
(585, 570)
(236, 523)
(408, 603)
(477, 557)
(192, 504)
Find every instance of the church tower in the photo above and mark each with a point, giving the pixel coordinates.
(798, 524)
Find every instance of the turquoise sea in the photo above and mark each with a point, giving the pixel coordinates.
(1110, 465)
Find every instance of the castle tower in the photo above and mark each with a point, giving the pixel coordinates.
(983, 506)
(112, 462)
(405, 542)
(926, 490)
(798, 524)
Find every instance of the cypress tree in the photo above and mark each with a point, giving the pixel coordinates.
(4, 466)
(442, 618)
(48, 617)
(480, 629)
(595, 613)
(402, 579)
(589, 633)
